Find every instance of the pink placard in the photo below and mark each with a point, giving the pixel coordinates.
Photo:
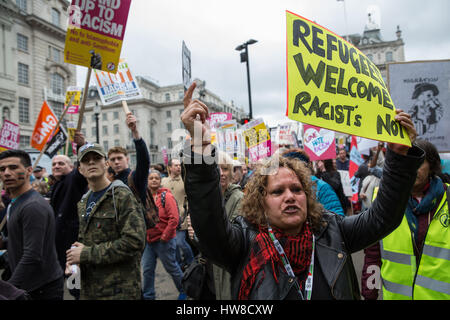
(319, 143)
(103, 16)
(218, 117)
(9, 136)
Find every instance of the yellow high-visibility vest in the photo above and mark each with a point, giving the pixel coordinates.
(402, 279)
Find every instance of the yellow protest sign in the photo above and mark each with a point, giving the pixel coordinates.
(95, 33)
(73, 91)
(332, 85)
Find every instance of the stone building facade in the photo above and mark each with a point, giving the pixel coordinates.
(32, 65)
(158, 117)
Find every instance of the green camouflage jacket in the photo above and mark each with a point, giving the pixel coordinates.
(114, 238)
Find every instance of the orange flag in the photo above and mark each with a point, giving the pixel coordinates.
(43, 128)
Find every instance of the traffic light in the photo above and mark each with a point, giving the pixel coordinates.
(244, 121)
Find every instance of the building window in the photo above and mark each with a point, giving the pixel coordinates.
(105, 146)
(167, 97)
(116, 129)
(54, 54)
(116, 143)
(58, 108)
(116, 115)
(23, 73)
(169, 127)
(168, 114)
(57, 84)
(22, 4)
(105, 129)
(24, 142)
(105, 116)
(22, 42)
(24, 110)
(56, 17)
(169, 143)
(389, 57)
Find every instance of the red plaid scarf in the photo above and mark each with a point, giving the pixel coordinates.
(298, 250)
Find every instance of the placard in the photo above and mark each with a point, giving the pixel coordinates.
(117, 87)
(422, 88)
(9, 136)
(95, 33)
(332, 85)
(319, 143)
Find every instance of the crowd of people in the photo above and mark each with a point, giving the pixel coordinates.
(279, 229)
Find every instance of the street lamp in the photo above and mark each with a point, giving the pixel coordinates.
(244, 58)
(97, 110)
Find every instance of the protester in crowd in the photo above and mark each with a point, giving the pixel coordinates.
(40, 174)
(118, 160)
(67, 191)
(110, 174)
(161, 242)
(281, 208)
(232, 196)
(40, 186)
(112, 233)
(413, 257)
(31, 232)
(370, 180)
(342, 162)
(333, 178)
(324, 192)
(175, 184)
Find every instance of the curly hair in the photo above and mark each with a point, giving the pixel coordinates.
(256, 190)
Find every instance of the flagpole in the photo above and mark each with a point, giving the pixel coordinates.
(44, 149)
(83, 100)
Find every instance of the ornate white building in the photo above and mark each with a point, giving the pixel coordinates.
(32, 65)
(381, 52)
(158, 114)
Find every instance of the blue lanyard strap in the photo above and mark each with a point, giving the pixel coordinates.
(288, 268)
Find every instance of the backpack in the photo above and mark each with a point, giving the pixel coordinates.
(149, 209)
(163, 204)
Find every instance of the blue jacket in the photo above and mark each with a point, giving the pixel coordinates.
(327, 197)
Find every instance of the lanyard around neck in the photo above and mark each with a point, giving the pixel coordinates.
(288, 268)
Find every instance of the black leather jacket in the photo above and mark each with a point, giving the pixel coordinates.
(228, 244)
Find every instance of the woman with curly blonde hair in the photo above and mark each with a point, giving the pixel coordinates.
(285, 246)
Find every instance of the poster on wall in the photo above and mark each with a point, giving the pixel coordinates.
(422, 88)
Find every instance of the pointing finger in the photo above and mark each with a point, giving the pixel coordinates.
(188, 95)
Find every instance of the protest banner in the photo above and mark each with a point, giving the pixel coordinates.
(257, 140)
(319, 143)
(285, 134)
(355, 162)
(364, 145)
(95, 33)
(422, 89)
(216, 117)
(46, 126)
(76, 92)
(43, 129)
(186, 66)
(57, 142)
(9, 136)
(332, 85)
(226, 136)
(121, 86)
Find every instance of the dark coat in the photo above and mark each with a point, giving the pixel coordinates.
(64, 198)
(228, 244)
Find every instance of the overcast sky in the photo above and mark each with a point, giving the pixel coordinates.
(213, 28)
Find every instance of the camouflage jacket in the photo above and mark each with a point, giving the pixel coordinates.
(114, 238)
